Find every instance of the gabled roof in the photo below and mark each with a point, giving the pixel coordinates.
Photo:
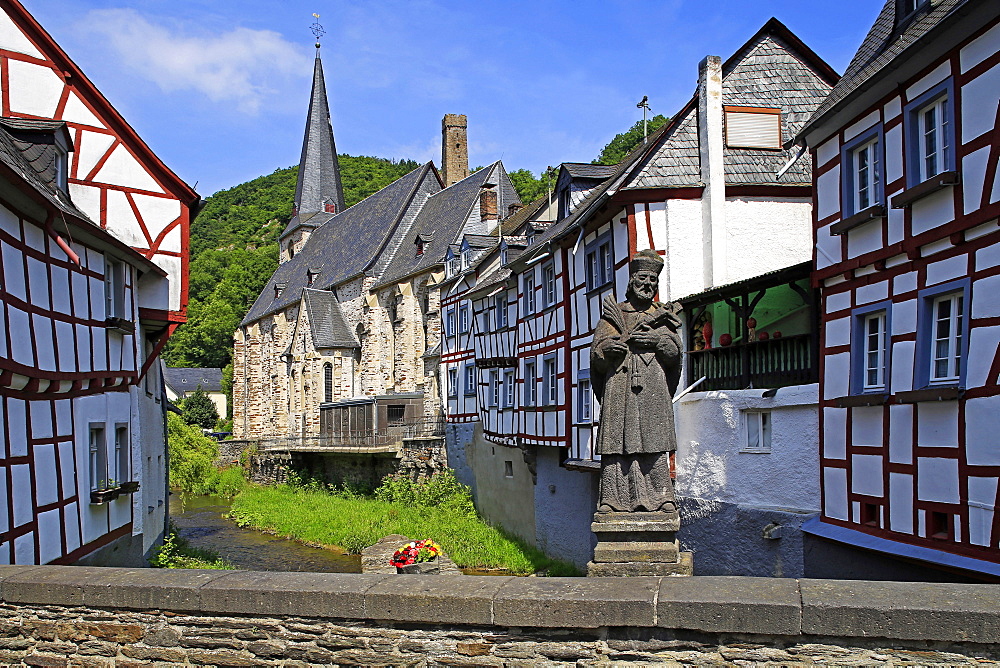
(187, 379)
(885, 43)
(772, 69)
(326, 321)
(18, 158)
(345, 246)
(443, 216)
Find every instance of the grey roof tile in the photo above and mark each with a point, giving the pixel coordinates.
(586, 170)
(188, 379)
(884, 44)
(326, 321)
(346, 245)
(319, 172)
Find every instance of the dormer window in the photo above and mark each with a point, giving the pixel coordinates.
(453, 264)
(529, 237)
(503, 255)
(61, 168)
(311, 276)
(420, 247)
(753, 127)
(278, 289)
(906, 10)
(466, 258)
(329, 206)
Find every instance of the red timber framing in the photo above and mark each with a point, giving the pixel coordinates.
(915, 463)
(114, 176)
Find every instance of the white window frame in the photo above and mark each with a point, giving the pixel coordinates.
(449, 322)
(873, 351)
(470, 379)
(757, 431)
(530, 383)
(933, 159)
(549, 284)
(585, 400)
(494, 388)
(508, 397)
(97, 447)
(529, 292)
(866, 179)
(946, 346)
(550, 374)
(501, 310)
(114, 288)
(463, 319)
(123, 453)
(452, 382)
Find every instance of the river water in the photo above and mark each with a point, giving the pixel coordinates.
(202, 522)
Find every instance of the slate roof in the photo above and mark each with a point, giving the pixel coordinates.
(12, 156)
(511, 224)
(319, 171)
(586, 170)
(326, 321)
(343, 247)
(187, 379)
(773, 68)
(444, 216)
(884, 44)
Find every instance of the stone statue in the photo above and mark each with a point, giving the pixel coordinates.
(635, 367)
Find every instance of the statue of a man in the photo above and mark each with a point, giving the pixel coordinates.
(635, 367)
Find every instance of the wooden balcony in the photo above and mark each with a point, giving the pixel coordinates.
(790, 360)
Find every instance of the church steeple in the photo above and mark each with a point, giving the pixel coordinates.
(318, 191)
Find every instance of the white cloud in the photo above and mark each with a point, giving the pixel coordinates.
(243, 67)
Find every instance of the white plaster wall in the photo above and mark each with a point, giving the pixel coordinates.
(684, 248)
(766, 234)
(711, 432)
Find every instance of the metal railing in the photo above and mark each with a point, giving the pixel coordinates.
(357, 439)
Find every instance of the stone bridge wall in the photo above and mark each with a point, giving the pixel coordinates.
(60, 615)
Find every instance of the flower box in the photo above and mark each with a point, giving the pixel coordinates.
(100, 496)
(130, 487)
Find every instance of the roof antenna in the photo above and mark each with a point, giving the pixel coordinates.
(317, 29)
(644, 105)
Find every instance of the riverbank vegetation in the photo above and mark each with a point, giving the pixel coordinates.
(192, 462)
(177, 553)
(439, 508)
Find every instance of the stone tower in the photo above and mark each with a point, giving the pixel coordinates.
(318, 191)
(454, 148)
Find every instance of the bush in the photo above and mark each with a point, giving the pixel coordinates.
(441, 489)
(199, 410)
(177, 553)
(192, 462)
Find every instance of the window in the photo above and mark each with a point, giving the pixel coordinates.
(508, 388)
(114, 288)
(503, 256)
(449, 323)
(906, 9)
(395, 414)
(328, 382)
(466, 258)
(930, 134)
(870, 349)
(508, 469)
(501, 310)
(565, 202)
(61, 165)
(584, 397)
(98, 458)
(529, 292)
(530, 383)
(123, 454)
(946, 338)
(452, 382)
(863, 176)
(599, 263)
(549, 285)
(470, 379)
(463, 319)
(758, 431)
(753, 127)
(942, 335)
(453, 264)
(494, 387)
(549, 387)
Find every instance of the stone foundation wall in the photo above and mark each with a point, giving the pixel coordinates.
(54, 616)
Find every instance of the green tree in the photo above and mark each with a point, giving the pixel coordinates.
(198, 410)
(618, 148)
(528, 187)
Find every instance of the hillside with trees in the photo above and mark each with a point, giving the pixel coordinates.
(234, 242)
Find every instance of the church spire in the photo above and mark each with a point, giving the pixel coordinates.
(318, 188)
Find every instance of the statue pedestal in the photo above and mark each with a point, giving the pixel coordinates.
(632, 544)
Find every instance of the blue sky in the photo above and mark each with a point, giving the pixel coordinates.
(219, 88)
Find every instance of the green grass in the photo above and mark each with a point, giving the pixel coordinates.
(177, 553)
(354, 522)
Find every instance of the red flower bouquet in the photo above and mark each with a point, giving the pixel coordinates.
(415, 552)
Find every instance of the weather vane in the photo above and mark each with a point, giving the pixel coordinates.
(317, 29)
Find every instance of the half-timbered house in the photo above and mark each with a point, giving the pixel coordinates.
(717, 195)
(93, 248)
(907, 249)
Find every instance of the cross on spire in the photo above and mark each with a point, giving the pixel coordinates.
(317, 29)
